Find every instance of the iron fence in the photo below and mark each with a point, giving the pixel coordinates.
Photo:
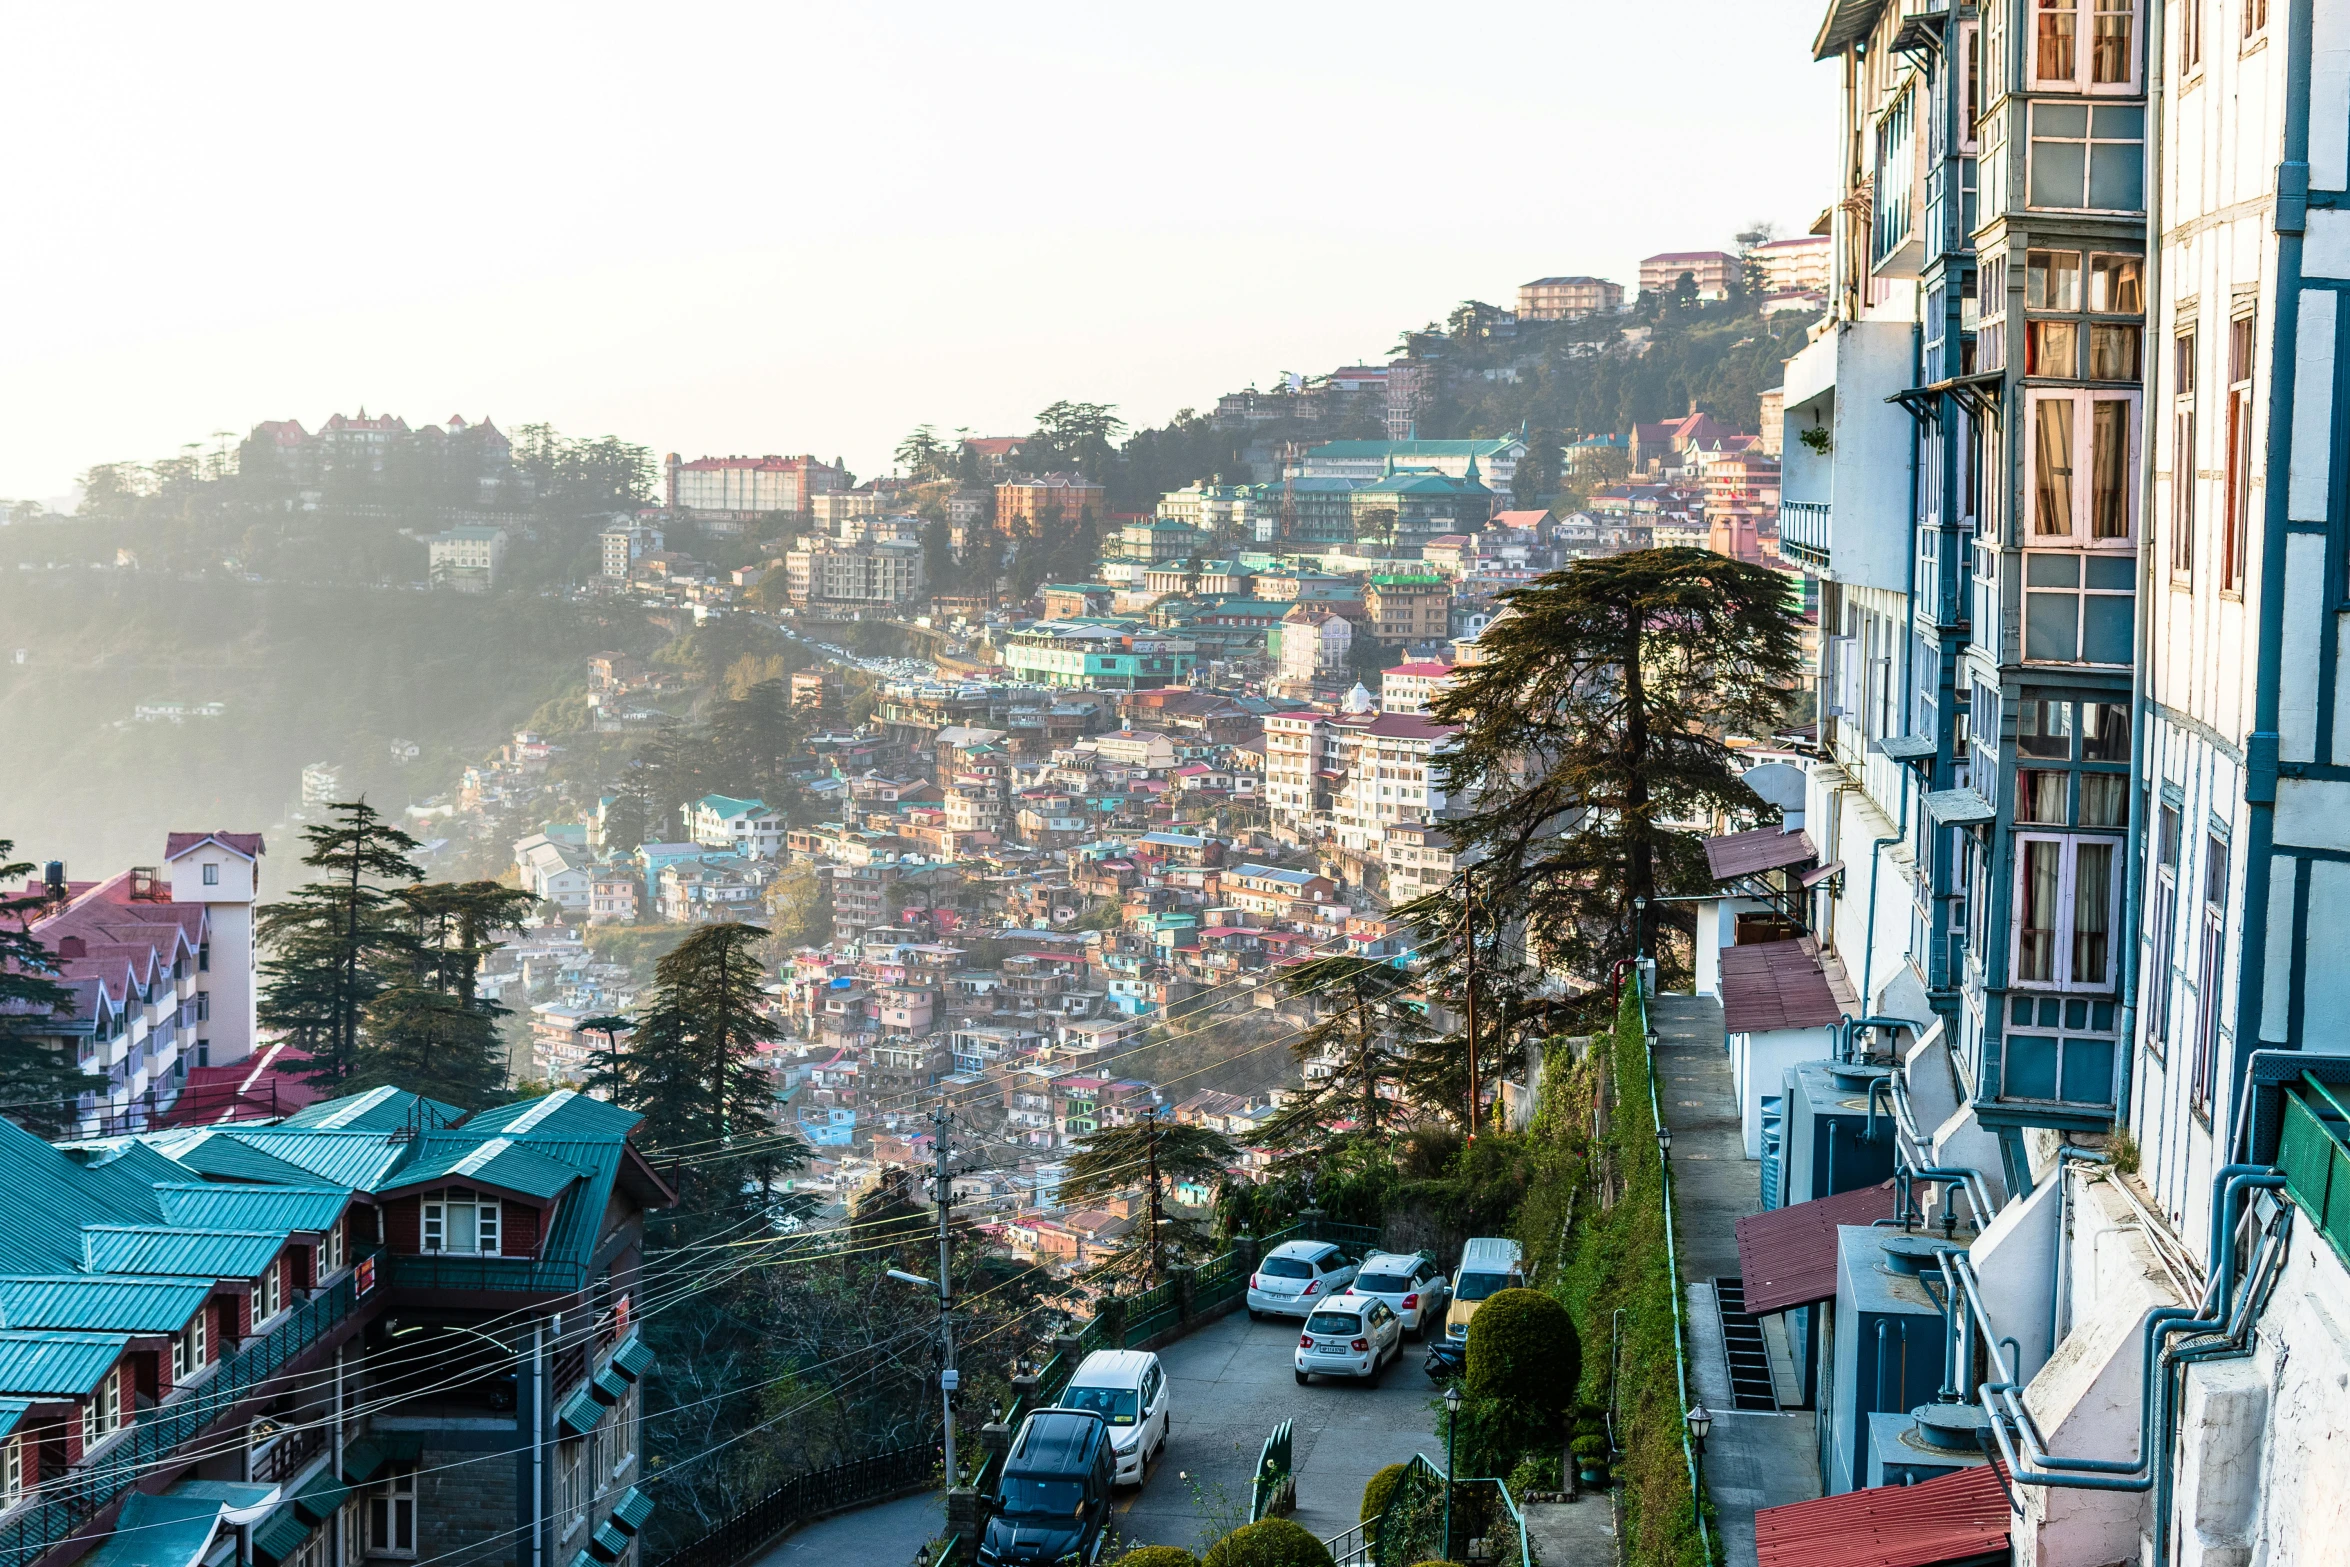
(1275, 1487)
(808, 1496)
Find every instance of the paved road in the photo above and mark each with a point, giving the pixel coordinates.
(883, 1536)
(1232, 1382)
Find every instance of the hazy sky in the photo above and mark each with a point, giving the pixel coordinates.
(809, 228)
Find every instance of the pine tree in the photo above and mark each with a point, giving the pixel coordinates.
(331, 943)
(1150, 1156)
(1599, 711)
(39, 1082)
(1371, 1038)
(428, 1029)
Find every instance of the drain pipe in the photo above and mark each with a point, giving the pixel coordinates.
(1849, 1028)
(1868, 954)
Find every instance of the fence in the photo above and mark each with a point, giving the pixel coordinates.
(806, 1497)
(1410, 1528)
(159, 1432)
(1275, 1488)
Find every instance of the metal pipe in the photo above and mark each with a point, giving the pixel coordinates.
(1868, 951)
(2060, 1265)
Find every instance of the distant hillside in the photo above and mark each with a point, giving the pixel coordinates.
(304, 673)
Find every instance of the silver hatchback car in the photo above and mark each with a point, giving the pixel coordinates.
(1412, 1286)
(1296, 1276)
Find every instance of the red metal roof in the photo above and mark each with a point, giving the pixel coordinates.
(247, 844)
(1787, 1256)
(1764, 849)
(1950, 1518)
(1772, 985)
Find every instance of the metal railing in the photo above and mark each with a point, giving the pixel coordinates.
(1411, 1526)
(442, 1271)
(1641, 980)
(1275, 1487)
(68, 1503)
(805, 1497)
(1803, 531)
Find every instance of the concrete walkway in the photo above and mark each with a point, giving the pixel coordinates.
(886, 1535)
(1752, 1460)
(1581, 1533)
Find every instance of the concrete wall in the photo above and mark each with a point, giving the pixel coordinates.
(1758, 1069)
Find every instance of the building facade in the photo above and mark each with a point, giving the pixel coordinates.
(742, 489)
(1568, 298)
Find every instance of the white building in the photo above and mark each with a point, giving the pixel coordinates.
(748, 827)
(467, 559)
(1409, 688)
(624, 545)
(742, 489)
(1314, 645)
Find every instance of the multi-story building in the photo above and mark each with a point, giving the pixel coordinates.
(1221, 512)
(1315, 647)
(1409, 609)
(831, 573)
(743, 489)
(1711, 272)
(1406, 508)
(1101, 655)
(466, 559)
(1410, 687)
(1568, 298)
(748, 827)
(623, 545)
(613, 896)
(1793, 266)
(1495, 461)
(1027, 504)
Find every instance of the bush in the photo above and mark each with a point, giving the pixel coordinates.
(1381, 1487)
(1522, 1347)
(1274, 1542)
(1157, 1556)
(1536, 1472)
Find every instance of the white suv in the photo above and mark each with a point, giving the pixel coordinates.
(1413, 1287)
(1128, 1389)
(1295, 1277)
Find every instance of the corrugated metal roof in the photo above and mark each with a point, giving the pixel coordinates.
(1774, 985)
(371, 1452)
(282, 1535)
(354, 1159)
(500, 1162)
(1949, 1518)
(203, 1205)
(160, 1531)
(377, 1110)
(51, 1197)
(206, 1254)
(580, 1413)
(231, 1158)
(562, 1116)
(12, 1410)
(101, 1303)
(57, 1365)
(631, 1511)
(608, 1385)
(1764, 849)
(318, 1500)
(634, 1358)
(608, 1542)
(1787, 1256)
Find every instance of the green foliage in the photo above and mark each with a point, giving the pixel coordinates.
(1591, 1449)
(1149, 1156)
(1270, 1542)
(1369, 1025)
(429, 1031)
(335, 943)
(1522, 1347)
(1378, 1489)
(1536, 1472)
(41, 1081)
(1158, 1556)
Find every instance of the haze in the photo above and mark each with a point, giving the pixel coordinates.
(809, 228)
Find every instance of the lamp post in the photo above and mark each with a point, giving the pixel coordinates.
(1700, 1420)
(1639, 928)
(1452, 1431)
(1664, 1141)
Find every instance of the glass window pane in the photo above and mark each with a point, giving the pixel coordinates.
(2052, 467)
(2045, 729)
(2104, 799)
(2114, 288)
(2113, 353)
(2092, 912)
(2052, 280)
(2058, 170)
(2105, 732)
(2109, 42)
(2036, 942)
(2054, 55)
(2039, 796)
(2117, 175)
(2109, 479)
(2052, 348)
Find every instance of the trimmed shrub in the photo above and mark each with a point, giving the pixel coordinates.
(1157, 1556)
(1273, 1542)
(1379, 1489)
(1523, 1348)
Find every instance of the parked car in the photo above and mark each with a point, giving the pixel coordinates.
(1295, 1277)
(1127, 1388)
(1489, 1265)
(1412, 1287)
(1352, 1336)
(1053, 1504)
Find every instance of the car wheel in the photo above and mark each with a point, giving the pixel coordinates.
(1303, 1379)
(1255, 1315)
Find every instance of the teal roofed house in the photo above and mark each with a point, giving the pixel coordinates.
(1493, 458)
(255, 1300)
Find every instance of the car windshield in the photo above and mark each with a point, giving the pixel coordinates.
(1334, 1322)
(1114, 1404)
(1287, 1268)
(1476, 1286)
(1381, 1283)
(1024, 1497)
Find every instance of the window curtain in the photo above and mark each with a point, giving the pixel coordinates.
(2052, 467)
(2092, 912)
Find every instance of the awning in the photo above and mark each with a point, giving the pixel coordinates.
(1904, 748)
(159, 1531)
(580, 1413)
(1764, 849)
(580, 1559)
(361, 1459)
(1959, 807)
(608, 1386)
(283, 1534)
(1787, 1256)
(634, 1358)
(631, 1511)
(1769, 986)
(1951, 1518)
(318, 1500)
(607, 1543)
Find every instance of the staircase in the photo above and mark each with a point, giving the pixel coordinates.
(1742, 1344)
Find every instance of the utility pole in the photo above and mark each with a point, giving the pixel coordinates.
(1469, 961)
(1150, 1121)
(947, 1378)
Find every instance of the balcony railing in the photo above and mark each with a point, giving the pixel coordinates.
(1803, 531)
(71, 1501)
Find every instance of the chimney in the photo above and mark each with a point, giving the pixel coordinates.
(72, 947)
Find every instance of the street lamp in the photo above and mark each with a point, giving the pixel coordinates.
(1640, 927)
(948, 1378)
(1700, 1420)
(1452, 1431)
(1664, 1141)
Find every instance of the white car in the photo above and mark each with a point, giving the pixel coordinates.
(1352, 1336)
(1296, 1276)
(1128, 1389)
(1412, 1287)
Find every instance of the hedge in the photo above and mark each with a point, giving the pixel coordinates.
(1157, 1556)
(1272, 1542)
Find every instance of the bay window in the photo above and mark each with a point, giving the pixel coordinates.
(2071, 1062)
(2088, 157)
(2065, 904)
(2080, 466)
(461, 1221)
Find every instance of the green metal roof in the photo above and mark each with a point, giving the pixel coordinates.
(500, 1162)
(364, 1457)
(135, 1159)
(302, 1157)
(283, 1534)
(12, 1410)
(634, 1358)
(204, 1205)
(160, 1531)
(608, 1386)
(232, 1158)
(580, 1413)
(608, 1542)
(377, 1110)
(1483, 446)
(318, 1500)
(101, 1303)
(631, 1511)
(564, 1115)
(57, 1365)
(51, 1197)
(208, 1254)
(728, 805)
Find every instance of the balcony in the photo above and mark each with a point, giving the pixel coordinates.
(1803, 532)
